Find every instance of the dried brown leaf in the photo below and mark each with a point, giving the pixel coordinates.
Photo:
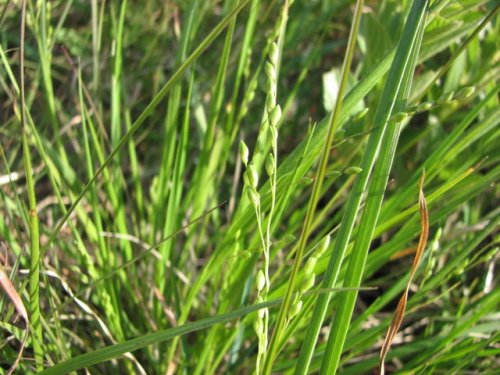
(11, 291)
(400, 310)
(16, 300)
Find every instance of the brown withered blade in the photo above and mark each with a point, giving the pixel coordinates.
(400, 310)
(12, 293)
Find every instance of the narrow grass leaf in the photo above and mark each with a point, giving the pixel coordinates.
(117, 350)
(34, 232)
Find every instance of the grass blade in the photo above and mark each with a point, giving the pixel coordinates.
(114, 351)
(384, 111)
(398, 87)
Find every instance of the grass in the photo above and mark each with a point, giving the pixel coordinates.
(209, 201)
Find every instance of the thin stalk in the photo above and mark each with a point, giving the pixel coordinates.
(316, 192)
(34, 277)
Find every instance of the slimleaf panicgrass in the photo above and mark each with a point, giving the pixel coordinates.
(177, 196)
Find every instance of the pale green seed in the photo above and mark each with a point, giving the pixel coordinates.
(253, 176)
(398, 117)
(251, 96)
(274, 54)
(270, 102)
(465, 92)
(270, 88)
(411, 110)
(253, 196)
(270, 165)
(260, 280)
(308, 282)
(446, 98)
(425, 106)
(323, 246)
(244, 153)
(306, 181)
(244, 254)
(295, 309)
(246, 180)
(264, 126)
(352, 170)
(310, 265)
(275, 115)
(270, 72)
(333, 173)
(358, 116)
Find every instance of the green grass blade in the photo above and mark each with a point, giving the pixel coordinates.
(398, 84)
(117, 350)
(389, 97)
(114, 351)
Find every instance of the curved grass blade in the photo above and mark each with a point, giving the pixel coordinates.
(400, 310)
(117, 350)
(114, 351)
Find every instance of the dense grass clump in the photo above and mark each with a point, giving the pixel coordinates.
(247, 186)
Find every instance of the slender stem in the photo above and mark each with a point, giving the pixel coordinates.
(315, 195)
(34, 278)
